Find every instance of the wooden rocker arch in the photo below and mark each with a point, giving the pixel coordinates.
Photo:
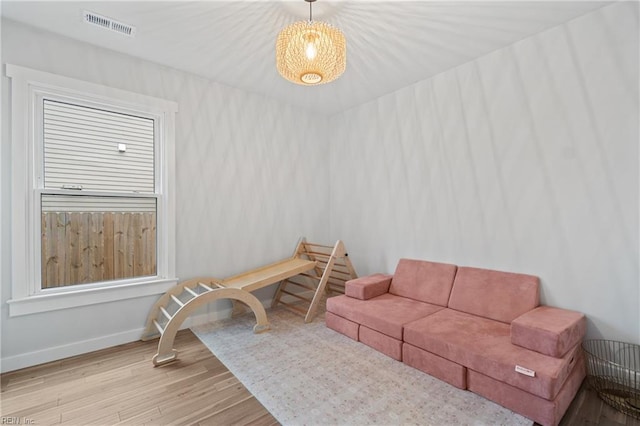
(166, 353)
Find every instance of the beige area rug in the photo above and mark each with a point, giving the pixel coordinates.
(307, 374)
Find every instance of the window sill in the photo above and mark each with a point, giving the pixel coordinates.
(84, 297)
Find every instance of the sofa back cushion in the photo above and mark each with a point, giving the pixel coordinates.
(500, 296)
(424, 281)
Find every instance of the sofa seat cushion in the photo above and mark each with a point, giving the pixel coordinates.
(549, 330)
(424, 281)
(386, 314)
(485, 346)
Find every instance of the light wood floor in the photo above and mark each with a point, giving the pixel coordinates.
(119, 386)
(588, 409)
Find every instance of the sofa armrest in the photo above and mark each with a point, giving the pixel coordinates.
(550, 331)
(368, 287)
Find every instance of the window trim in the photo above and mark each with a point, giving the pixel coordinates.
(26, 297)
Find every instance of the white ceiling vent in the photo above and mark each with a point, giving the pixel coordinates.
(108, 23)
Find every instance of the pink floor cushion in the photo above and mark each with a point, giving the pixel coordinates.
(485, 346)
(428, 282)
(385, 314)
(443, 369)
(381, 342)
(546, 412)
(548, 330)
(501, 296)
(341, 325)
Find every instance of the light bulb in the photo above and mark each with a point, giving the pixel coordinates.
(311, 51)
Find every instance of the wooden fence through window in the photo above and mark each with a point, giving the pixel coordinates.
(80, 248)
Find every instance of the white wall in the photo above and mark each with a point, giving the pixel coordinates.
(248, 170)
(524, 160)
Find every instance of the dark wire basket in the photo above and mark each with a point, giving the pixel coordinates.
(613, 371)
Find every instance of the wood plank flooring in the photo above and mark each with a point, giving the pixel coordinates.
(119, 386)
(589, 410)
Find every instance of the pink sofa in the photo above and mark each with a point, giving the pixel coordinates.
(476, 329)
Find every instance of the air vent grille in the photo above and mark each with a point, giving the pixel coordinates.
(108, 23)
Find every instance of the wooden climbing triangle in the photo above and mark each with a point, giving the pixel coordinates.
(333, 269)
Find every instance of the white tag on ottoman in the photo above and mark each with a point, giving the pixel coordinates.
(525, 371)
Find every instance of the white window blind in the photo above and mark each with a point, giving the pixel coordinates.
(97, 150)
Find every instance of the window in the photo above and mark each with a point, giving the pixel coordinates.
(92, 193)
(88, 239)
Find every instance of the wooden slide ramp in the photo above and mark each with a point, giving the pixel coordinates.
(312, 271)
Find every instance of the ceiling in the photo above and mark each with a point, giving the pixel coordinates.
(390, 44)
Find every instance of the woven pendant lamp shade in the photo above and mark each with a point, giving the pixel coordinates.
(311, 53)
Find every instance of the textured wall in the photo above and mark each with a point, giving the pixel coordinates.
(251, 179)
(524, 160)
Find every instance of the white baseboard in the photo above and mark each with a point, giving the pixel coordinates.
(29, 359)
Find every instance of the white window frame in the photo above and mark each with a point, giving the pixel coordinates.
(28, 86)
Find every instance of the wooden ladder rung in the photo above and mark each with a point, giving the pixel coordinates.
(313, 277)
(178, 301)
(190, 291)
(341, 267)
(296, 295)
(158, 326)
(293, 307)
(348, 275)
(318, 245)
(337, 260)
(315, 253)
(206, 287)
(165, 313)
(307, 286)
